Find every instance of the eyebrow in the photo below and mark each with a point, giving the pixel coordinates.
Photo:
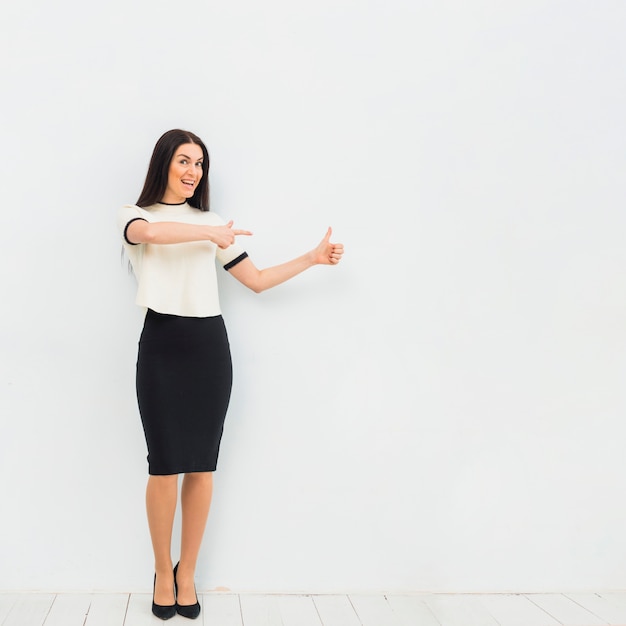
(180, 154)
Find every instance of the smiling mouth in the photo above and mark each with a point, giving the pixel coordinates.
(188, 183)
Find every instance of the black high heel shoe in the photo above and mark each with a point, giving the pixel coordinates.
(186, 610)
(162, 611)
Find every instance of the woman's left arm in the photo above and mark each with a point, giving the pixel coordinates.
(326, 253)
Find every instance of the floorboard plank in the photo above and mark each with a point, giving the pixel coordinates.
(565, 610)
(616, 598)
(459, 610)
(374, 610)
(221, 610)
(139, 612)
(29, 610)
(515, 610)
(298, 610)
(412, 610)
(336, 610)
(7, 601)
(260, 610)
(69, 609)
(601, 606)
(108, 609)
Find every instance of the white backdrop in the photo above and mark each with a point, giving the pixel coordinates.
(443, 411)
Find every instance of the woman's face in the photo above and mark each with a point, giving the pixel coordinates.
(184, 174)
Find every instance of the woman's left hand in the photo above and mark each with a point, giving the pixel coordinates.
(328, 253)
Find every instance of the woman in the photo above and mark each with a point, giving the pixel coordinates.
(183, 366)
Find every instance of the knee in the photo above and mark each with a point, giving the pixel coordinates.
(166, 481)
(199, 478)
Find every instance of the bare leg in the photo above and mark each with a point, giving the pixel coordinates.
(161, 495)
(196, 496)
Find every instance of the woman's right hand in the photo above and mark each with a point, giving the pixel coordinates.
(224, 236)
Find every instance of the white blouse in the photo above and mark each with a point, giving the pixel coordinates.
(177, 278)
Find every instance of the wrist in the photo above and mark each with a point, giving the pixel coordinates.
(210, 233)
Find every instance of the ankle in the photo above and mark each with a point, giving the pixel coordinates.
(185, 571)
(163, 569)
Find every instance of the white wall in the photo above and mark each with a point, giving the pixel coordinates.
(445, 410)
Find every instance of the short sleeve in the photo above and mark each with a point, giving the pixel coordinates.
(229, 257)
(126, 216)
(231, 264)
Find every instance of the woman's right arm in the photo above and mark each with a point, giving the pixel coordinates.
(141, 231)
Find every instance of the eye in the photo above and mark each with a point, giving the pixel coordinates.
(199, 164)
(183, 161)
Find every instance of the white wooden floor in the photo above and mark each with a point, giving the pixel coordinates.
(225, 609)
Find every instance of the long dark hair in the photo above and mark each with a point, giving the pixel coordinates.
(162, 155)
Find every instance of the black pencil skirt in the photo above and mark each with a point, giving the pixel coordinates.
(184, 378)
